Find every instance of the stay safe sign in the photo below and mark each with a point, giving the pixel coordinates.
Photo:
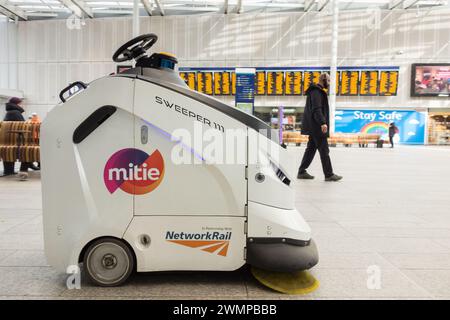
(411, 124)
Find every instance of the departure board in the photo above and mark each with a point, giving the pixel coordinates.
(275, 83)
(293, 83)
(310, 77)
(233, 83)
(217, 83)
(183, 76)
(189, 78)
(369, 83)
(201, 82)
(279, 83)
(226, 84)
(388, 83)
(208, 77)
(260, 83)
(349, 83)
(338, 81)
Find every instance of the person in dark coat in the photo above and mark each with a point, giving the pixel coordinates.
(392, 131)
(14, 110)
(14, 113)
(316, 123)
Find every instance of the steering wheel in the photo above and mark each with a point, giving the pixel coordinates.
(134, 48)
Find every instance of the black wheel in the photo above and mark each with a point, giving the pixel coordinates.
(135, 47)
(108, 262)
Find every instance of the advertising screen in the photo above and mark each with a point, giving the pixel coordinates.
(411, 124)
(430, 80)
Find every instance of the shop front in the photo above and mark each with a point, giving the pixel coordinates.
(292, 117)
(439, 127)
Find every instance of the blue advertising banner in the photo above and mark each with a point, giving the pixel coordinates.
(411, 124)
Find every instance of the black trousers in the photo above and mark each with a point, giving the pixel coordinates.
(9, 167)
(391, 140)
(314, 144)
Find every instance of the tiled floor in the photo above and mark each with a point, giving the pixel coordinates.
(391, 212)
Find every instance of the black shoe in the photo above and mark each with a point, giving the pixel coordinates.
(334, 177)
(34, 168)
(305, 175)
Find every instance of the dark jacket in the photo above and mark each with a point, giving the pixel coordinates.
(392, 130)
(13, 112)
(317, 112)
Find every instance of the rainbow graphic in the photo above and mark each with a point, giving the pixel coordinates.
(376, 127)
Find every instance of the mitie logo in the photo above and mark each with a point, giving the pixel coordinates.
(134, 171)
(207, 241)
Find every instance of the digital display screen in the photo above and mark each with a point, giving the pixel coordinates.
(260, 83)
(388, 83)
(293, 83)
(226, 84)
(217, 83)
(208, 77)
(121, 69)
(430, 80)
(201, 82)
(349, 83)
(338, 81)
(369, 83)
(189, 78)
(275, 83)
(310, 77)
(233, 83)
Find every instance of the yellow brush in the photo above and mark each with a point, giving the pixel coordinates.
(299, 282)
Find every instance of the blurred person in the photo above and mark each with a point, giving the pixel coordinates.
(35, 118)
(14, 112)
(316, 121)
(393, 130)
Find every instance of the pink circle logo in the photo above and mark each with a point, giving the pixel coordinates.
(134, 171)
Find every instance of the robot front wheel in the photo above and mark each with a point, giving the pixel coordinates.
(108, 262)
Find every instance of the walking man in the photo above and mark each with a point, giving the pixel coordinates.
(392, 131)
(316, 123)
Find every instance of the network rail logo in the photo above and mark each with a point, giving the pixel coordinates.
(212, 242)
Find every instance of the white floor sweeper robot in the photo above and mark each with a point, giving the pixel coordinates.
(115, 200)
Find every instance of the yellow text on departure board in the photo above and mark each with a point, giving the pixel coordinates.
(226, 83)
(208, 77)
(349, 83)
(369, 83)
(388, 83)
(261, 83)
(218, 83)
(293, 83)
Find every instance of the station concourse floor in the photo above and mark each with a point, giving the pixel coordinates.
(391, 211)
